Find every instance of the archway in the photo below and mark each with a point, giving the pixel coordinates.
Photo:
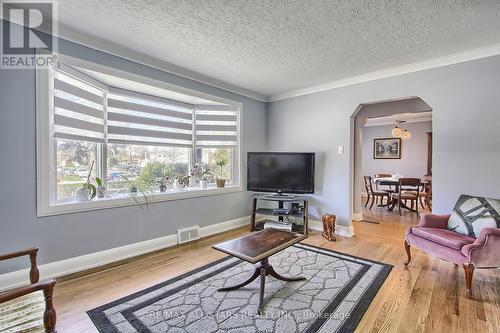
(412, 107)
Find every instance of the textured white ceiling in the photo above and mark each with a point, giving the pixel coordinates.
(272, 47)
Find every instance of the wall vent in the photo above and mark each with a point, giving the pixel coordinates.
(188, 234)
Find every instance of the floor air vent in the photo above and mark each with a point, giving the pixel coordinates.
(188, 234)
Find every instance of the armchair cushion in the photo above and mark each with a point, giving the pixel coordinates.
(443, 237)
(23, 314)
(434, 221)
(471, 214)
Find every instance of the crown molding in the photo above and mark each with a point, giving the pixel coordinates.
(406, 117)
(144, 59)
(451, 59)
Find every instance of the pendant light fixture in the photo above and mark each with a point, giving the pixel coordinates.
(406, 135)
(397, 132)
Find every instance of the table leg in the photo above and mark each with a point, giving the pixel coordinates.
(252, 277)
(262, 269)
(263, 273)
(275, 275)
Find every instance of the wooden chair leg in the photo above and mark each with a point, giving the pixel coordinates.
(373, 201)
(416, 204)
(408, 253)
(367, 200)
(399, 205)
(421, 200)
(49, 316)
(469, 271)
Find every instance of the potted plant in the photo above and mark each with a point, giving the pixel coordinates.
(221, 163)
(135, 188)
(201, 175)
(101, 187)
(88, 190)
(181, 182)
(163, 183)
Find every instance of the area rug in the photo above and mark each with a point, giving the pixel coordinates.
(337, 292)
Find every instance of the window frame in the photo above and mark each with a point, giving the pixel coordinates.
(46, 163)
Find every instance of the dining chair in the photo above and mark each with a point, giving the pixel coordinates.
(384, 175)
(425, 195)
(409, 190)
(375, 195)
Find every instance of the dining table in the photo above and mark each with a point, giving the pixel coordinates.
(393, 181)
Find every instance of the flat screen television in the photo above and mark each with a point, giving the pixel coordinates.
(280, 172)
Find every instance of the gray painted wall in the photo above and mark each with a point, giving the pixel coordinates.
(413, 162)
(65, 236)
(464, 98)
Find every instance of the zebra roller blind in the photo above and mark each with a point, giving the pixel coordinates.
(78, 109)
(88, 110)
(139, 120)
(216, 126)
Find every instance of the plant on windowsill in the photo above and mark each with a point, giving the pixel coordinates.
(137, 189)
(88, 190)
(101, 187)
(221, 163)
(201, 175)
(163, 182)
(181, 182)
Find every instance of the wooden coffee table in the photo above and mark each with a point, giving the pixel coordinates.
(256, 249)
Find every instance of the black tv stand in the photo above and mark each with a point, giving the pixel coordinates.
(281, 199)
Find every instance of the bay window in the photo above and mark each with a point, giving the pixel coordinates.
(91, 128)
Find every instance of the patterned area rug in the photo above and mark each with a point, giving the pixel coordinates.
(338, 290)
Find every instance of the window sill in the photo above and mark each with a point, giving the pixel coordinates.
(114, 202)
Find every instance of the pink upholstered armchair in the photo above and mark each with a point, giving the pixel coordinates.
(432, 236)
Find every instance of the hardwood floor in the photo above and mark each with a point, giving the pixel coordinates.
(428, 296)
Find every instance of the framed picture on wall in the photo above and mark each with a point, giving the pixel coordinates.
(387, 148)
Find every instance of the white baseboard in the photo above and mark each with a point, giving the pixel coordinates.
(92, 260)
(213, 229)
(340, 230)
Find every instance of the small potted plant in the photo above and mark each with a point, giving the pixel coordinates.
(101, 187)
(163, 183)
(137, 190)
(181, 182)
(204, 178)
(221, 163)
(88, 190)
(201, 175)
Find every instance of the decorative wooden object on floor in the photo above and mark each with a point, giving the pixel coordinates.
(17, 298)
(329, 226)
(256, 249)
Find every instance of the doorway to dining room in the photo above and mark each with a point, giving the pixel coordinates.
(392, 160)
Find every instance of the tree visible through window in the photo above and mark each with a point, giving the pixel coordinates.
(73, 163)
(144, 165)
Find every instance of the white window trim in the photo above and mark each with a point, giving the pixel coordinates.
(46, 155)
